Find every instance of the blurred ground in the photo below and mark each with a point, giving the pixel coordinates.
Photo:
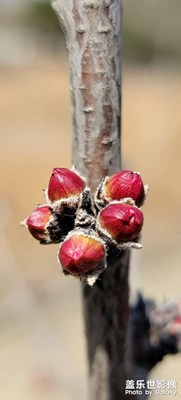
(42, 342)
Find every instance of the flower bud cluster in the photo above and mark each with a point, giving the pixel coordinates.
(87, 228)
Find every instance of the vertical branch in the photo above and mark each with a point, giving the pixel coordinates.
(93, 34)
(92, 31)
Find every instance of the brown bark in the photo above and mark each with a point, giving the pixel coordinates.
(93, 36)
(92, 31)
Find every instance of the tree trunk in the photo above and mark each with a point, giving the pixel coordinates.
(93, 36)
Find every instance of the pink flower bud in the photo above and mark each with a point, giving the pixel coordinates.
(65, 183)
(38, 221)
(120, 221)
(124, 184)
(178, 320)
(81, 253)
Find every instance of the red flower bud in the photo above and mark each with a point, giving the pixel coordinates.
(64, 183)
(38, 221)
(120, 221)
(177, 320)
(81, 253)
(124, 184)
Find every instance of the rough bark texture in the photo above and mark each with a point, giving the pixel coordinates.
(93, 32)
(106, 317)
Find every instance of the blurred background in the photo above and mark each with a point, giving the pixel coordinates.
(42, 345)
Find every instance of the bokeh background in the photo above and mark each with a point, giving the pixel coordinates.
(42, 344)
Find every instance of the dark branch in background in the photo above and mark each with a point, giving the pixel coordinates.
(155, 331)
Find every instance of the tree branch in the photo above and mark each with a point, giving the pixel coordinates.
(156, 332)
(93, 37)
(92, 32)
